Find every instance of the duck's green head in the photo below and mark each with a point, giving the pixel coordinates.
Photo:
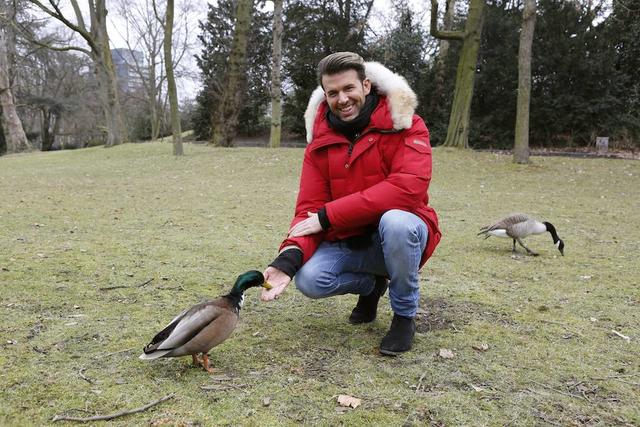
(248, 280)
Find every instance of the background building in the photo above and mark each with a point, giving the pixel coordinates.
(130, 68)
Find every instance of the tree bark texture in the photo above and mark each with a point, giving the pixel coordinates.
(171, 81)
(443, 52)
(276, 85)
(226, 119)
(153, 94)
(15, 139)
(458, 130)
(521, 144)
(105, 72)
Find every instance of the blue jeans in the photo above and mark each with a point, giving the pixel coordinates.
(395, 252)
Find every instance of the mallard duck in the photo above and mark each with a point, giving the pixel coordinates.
(519, 226)
(198, 329)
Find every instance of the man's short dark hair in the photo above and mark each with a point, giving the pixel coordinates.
(339, 62)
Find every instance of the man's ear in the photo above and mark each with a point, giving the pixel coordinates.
(366, 84)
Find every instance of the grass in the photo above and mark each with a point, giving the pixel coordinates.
(82, 231)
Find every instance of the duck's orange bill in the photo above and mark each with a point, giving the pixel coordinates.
(267, 285)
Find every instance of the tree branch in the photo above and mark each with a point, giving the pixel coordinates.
(57, 14)
(112, 416)
(45, 45)
(155, 12)
(446, 35)
(78, 13)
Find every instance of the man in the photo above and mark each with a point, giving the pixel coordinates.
(362, 213)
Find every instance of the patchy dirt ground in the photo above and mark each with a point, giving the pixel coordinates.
(99, 248)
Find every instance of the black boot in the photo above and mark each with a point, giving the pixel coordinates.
(367, 308)
(400, 336)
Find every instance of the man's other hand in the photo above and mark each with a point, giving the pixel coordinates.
(310, 225)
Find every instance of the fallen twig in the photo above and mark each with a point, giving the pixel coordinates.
(615, 377)
(110, 288)
(115, 352)
(112, 416)
(624, 337)
(566, 328)
(420, 382)
(145, 283)
(224, 387)
(81, 373)
(560, 391)
(544, 417)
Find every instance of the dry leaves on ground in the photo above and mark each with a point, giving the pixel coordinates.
(349, 401)
(481, 347)
(445, 353)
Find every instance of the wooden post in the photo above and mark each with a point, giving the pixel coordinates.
(602, 145)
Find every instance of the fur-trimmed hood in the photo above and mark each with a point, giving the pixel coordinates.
(402, 100)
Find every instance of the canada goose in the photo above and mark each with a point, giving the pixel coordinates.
(198, 329)
(519, 226)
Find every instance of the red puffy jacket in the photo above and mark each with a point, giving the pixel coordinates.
(385, 169)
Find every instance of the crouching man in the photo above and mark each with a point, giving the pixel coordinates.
(362, 221)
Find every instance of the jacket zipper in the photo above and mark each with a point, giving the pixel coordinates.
(352, 143)
(360, 135)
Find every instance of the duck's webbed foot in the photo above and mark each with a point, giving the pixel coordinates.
(197, 360)
(205, 364)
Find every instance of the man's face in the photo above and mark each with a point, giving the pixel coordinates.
(345, 93)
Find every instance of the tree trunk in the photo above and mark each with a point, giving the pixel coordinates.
(14, 136)
(10, 35)
(521, 144)
(153, 102)
(226, 119)
(276, 86)
(106, 74)
(45, 127)
(171, 82)
(443, 52)
(107, 83)
(458, 131)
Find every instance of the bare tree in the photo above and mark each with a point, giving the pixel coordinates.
(97, 39)
(144, 31)
(458, 131)
(226, 118)
(10, 124)
(521, 145)
(276, 84)
(171, 81)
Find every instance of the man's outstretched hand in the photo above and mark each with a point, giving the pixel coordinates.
(278, 281)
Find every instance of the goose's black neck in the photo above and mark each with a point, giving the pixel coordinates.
(552, 230)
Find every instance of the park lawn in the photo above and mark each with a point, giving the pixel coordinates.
(100, 248)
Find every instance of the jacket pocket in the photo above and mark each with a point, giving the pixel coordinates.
(417, 156)
(418, 144)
